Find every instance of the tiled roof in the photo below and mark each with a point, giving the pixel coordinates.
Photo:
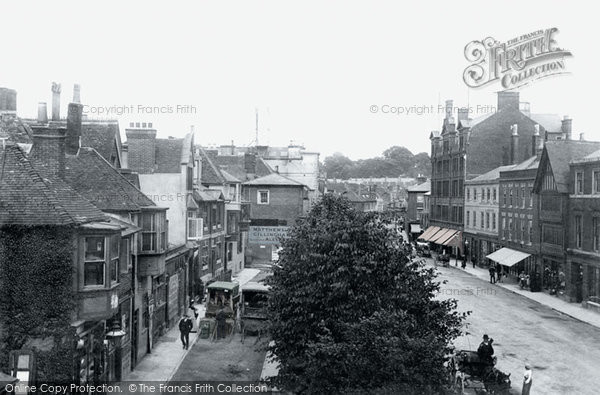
(424, 187)
(530, 163)
(168, 155)
(210, 172)
(594, 156)
(491, 175)
(94, 178)
(228, 177)
(234, 165)
(103, 136)
(273, 179)
(560, 153)
(27, 198)
(15, 130)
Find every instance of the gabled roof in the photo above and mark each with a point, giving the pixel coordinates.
(274, 179)
(103, 136)
(560, 153)
(235, 166)
(27, 198)
(529, 163)
(210, 172)
(424, 187)
(93, 177)
(491, 175)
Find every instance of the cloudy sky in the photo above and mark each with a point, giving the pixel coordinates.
(313, 69)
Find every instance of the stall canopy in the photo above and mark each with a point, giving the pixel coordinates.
(429, 232)
(415, 228)
(507, 257)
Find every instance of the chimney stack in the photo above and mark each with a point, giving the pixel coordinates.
(508, 100)
(581, 136)
(73, 139)
(49, 149)
(250, 164)
(463, 114)
(141, 145)
(567, 123)
(42, 113)
(56, 101)
(514, 144)
(8, 100)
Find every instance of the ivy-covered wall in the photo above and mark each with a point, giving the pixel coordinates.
(36, 298)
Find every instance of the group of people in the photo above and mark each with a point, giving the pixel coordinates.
(485, 351)
(496, 273)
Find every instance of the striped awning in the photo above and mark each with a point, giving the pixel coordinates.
(507, 257)
(442, 235)
(429, 232)
(455, 240)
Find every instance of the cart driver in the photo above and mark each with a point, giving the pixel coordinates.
(486, 350)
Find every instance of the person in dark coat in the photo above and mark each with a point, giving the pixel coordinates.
(185, 327)
(485, 351)
(499, 273)
(492, 271)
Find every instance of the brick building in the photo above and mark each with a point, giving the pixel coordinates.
(553, 186)
(415, 205)
(275, 204)
(583, 253)
(466, 148)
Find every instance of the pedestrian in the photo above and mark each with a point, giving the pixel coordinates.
(527, 380)
(492, 271)
(499, 273)
(185, 327)
(485, 351)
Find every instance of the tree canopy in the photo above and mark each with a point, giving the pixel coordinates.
(350, 312)
(395, 161)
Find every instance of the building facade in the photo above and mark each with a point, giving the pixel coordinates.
(482, 216)
(583, 253)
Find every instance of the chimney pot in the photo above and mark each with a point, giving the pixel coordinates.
(42, 113)
(514, 129)
(56, 101)
(514, 144)
(76, 93)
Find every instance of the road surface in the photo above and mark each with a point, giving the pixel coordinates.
(562, 351)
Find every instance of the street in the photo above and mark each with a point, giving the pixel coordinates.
(562, 351)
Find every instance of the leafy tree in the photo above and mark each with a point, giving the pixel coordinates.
(338, 166)
(349, 312)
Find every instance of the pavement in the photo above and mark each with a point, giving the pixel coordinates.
(573, 310)
(168, 352)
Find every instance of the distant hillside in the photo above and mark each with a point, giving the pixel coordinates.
(394, 162)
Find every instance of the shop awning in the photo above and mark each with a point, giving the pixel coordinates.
(442, 235)
(432, 230)
(507, 257)
(415, 228)
(455, 240)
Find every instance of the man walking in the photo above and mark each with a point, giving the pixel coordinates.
(185, 327)
(492, 271)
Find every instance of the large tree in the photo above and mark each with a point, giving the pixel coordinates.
(350, 312)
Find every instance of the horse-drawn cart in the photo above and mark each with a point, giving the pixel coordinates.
(470, 375)
(253, 311)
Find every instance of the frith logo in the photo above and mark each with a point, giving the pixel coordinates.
(516, 62)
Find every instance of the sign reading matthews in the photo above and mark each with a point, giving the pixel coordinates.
(516, 62)
(267, 234)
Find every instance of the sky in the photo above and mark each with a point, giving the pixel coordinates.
(313, 71)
